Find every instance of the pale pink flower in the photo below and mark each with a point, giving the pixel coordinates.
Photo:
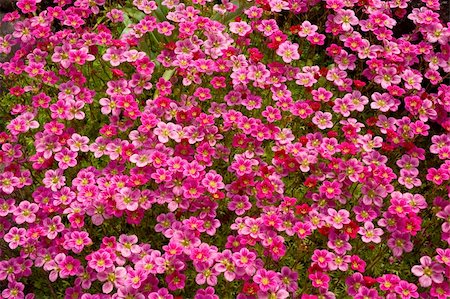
(240, 28)
(428, 272)
(288, 51)
(370, 233)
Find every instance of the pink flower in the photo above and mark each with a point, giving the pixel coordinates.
(15, 237)
(66, 158)
(245, 260)
(412, 79)
(76, 241)
(400, 242)
(388, 282)
(162, 293)
(54, 179)
(127, 245)
(387, 76)
(80, 56)
(302, 229)
(239, 204)
(14, 289)
(437, 176)
(384, 102)
(26, 212)
(135, 278)
(369, 233)
(69, 266)
(271, 114)
(319, 280)
(53, 227)
(242, 165)
(268, 27)
(100, 260)
(428, 272)
(288, 51)
(112, 277)
(165, 130)
(206, 275)
(7, 182)
(307, 29)
(115, 15)
(322, 258)
(330, 189)
(338, 218)
(213, 182)
(114, 55)
(346, 18)
(266, 280)
(322, 120)
(406, 290)
(240, 28)
(127, 199)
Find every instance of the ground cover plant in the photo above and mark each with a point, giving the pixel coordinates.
(225, 149)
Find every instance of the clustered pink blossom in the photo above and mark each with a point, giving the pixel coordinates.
(206, 149)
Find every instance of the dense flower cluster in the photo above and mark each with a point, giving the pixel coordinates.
(201, 149)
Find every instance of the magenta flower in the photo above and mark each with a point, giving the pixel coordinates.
(267, 280)
(319, 279)
(100, 260)
(135, 278)
(239, 204)
(213, 182)
(339, 242)
(176, 281)
(437, 176)
(14, 290)
(400, 242)
(245, 260)
(440, 291)
(69, 266)
(399, 205)
(77, 240)
(322, 258)
(406, 290)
